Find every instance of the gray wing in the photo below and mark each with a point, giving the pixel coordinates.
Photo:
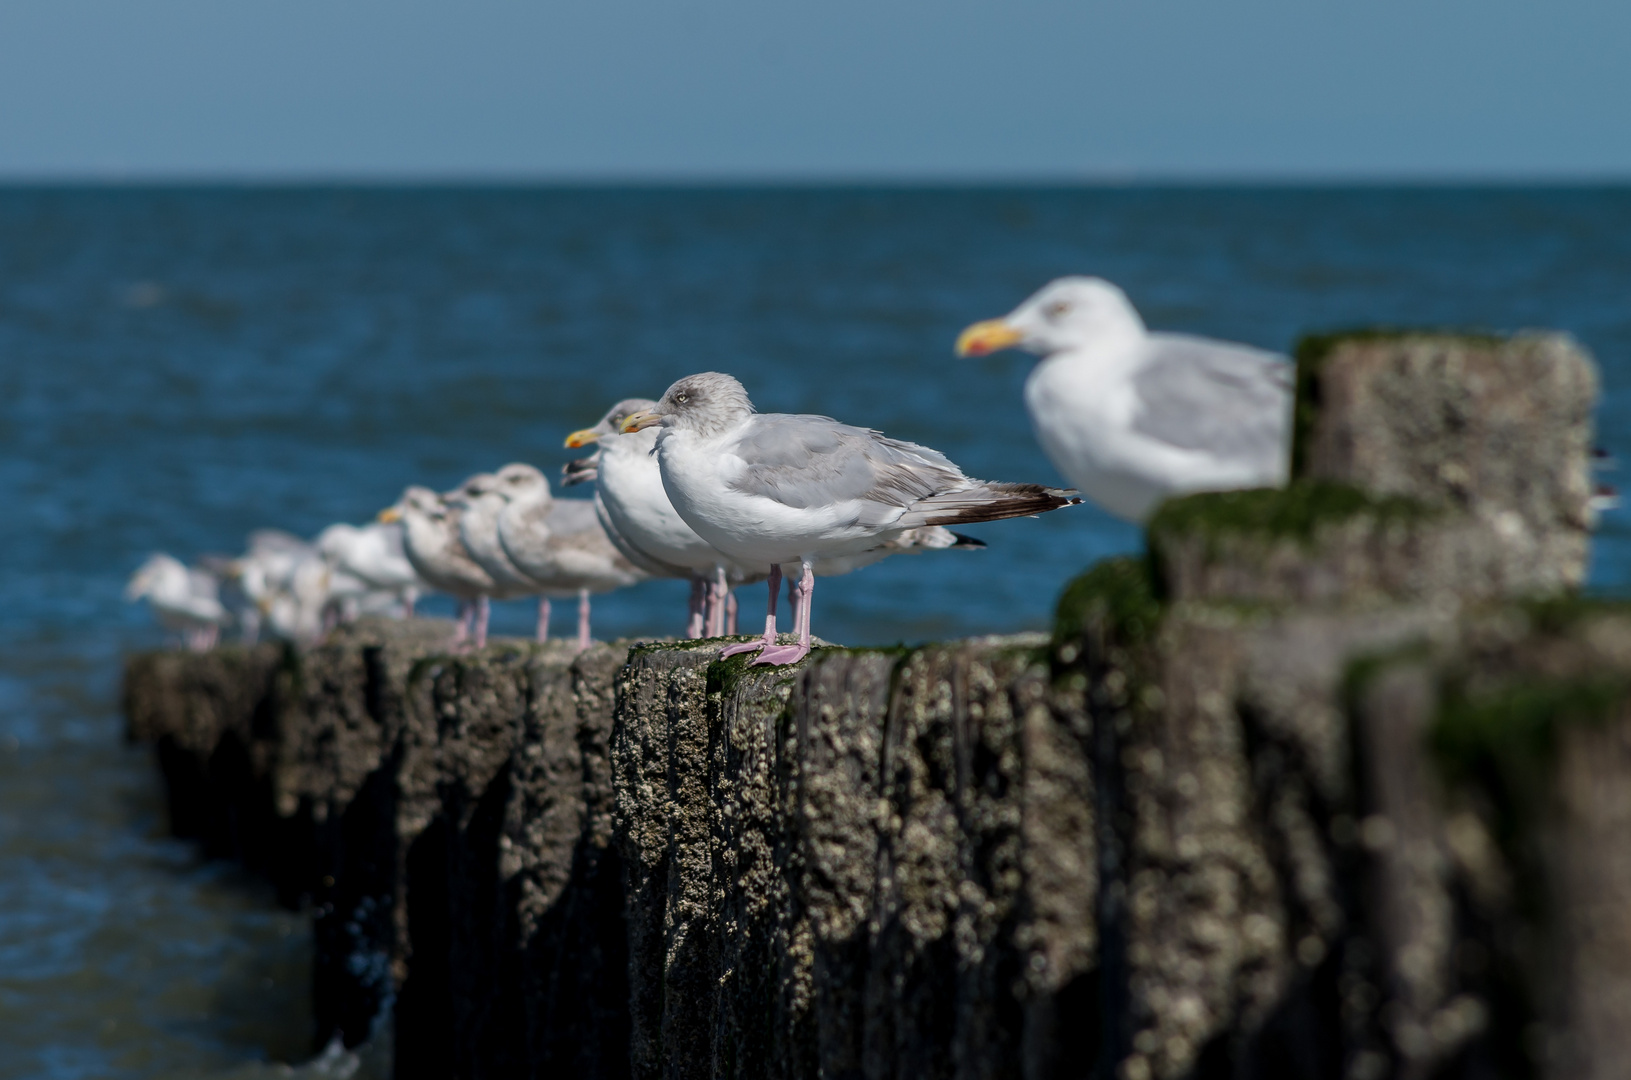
(567, 517)
(808, 461)
(1232, 401)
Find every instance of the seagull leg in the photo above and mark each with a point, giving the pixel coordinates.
(484, 609)
(717, 588)
(461, 623)
(792, 654)
(543, 618)
(584, 640)
(699, 601)
(730, 612)
(769, 640)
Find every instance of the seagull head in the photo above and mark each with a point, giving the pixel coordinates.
(470, 489)
(419, 500)
(610, 424)
(708, 403)
(519, 481)
(146, 577)
(1066, 313)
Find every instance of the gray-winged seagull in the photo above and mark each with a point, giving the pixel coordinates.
(773, 489)
(1132, 417)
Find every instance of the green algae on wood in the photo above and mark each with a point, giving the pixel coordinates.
(1117, 596)
(1296, 511)
(1560, 614)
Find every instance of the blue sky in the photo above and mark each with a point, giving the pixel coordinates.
(822, 89)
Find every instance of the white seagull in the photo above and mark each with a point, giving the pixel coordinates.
(478, 505)
(776, 489)
(430, 539)
(641, 520)
(558, 543)
(1132, 417)
(183, 600)
(373, 554)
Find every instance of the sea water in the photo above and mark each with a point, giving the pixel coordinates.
(179, 366)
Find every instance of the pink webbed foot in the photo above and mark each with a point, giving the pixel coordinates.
(767, 642)
(782, 654)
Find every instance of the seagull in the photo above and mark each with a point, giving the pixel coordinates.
(430, 539)
(637, 515)
(559, 544)
(776, 489)
(640, 519)
(1132, 417)
(297, 604)
(372, 554)
(184, 600)
(479, 504)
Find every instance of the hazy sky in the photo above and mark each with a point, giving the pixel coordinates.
(816, 88)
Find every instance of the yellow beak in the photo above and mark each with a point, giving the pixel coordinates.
(987, 337)
(582, 438)
(388, 515)
(637, 421)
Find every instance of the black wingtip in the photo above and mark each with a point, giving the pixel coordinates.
(1017, 500)
(580, 471)
(967, 541)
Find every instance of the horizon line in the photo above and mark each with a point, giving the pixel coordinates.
(1105, 179)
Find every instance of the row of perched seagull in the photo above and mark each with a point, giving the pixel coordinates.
(282, 585)
(697, 485)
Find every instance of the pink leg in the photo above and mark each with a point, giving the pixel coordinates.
(584, 640)
(730, 612)
(543, 618)
(484, 609)
(717, 588)
(694, 624)
(461, 622)
(407, 603)
(769, 640)
(792, 654)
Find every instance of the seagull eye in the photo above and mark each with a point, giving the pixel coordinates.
(682, 398)
(1056, 309)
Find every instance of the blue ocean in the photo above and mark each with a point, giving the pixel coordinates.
(181, 365)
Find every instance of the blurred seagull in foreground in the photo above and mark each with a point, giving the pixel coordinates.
(1132, 417)
(185, 601)
(776, 489)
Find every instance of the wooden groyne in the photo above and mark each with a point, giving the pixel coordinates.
(1336, 782)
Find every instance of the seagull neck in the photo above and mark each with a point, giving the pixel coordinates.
(628, 447)
(1105, 352)
(707, 428)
